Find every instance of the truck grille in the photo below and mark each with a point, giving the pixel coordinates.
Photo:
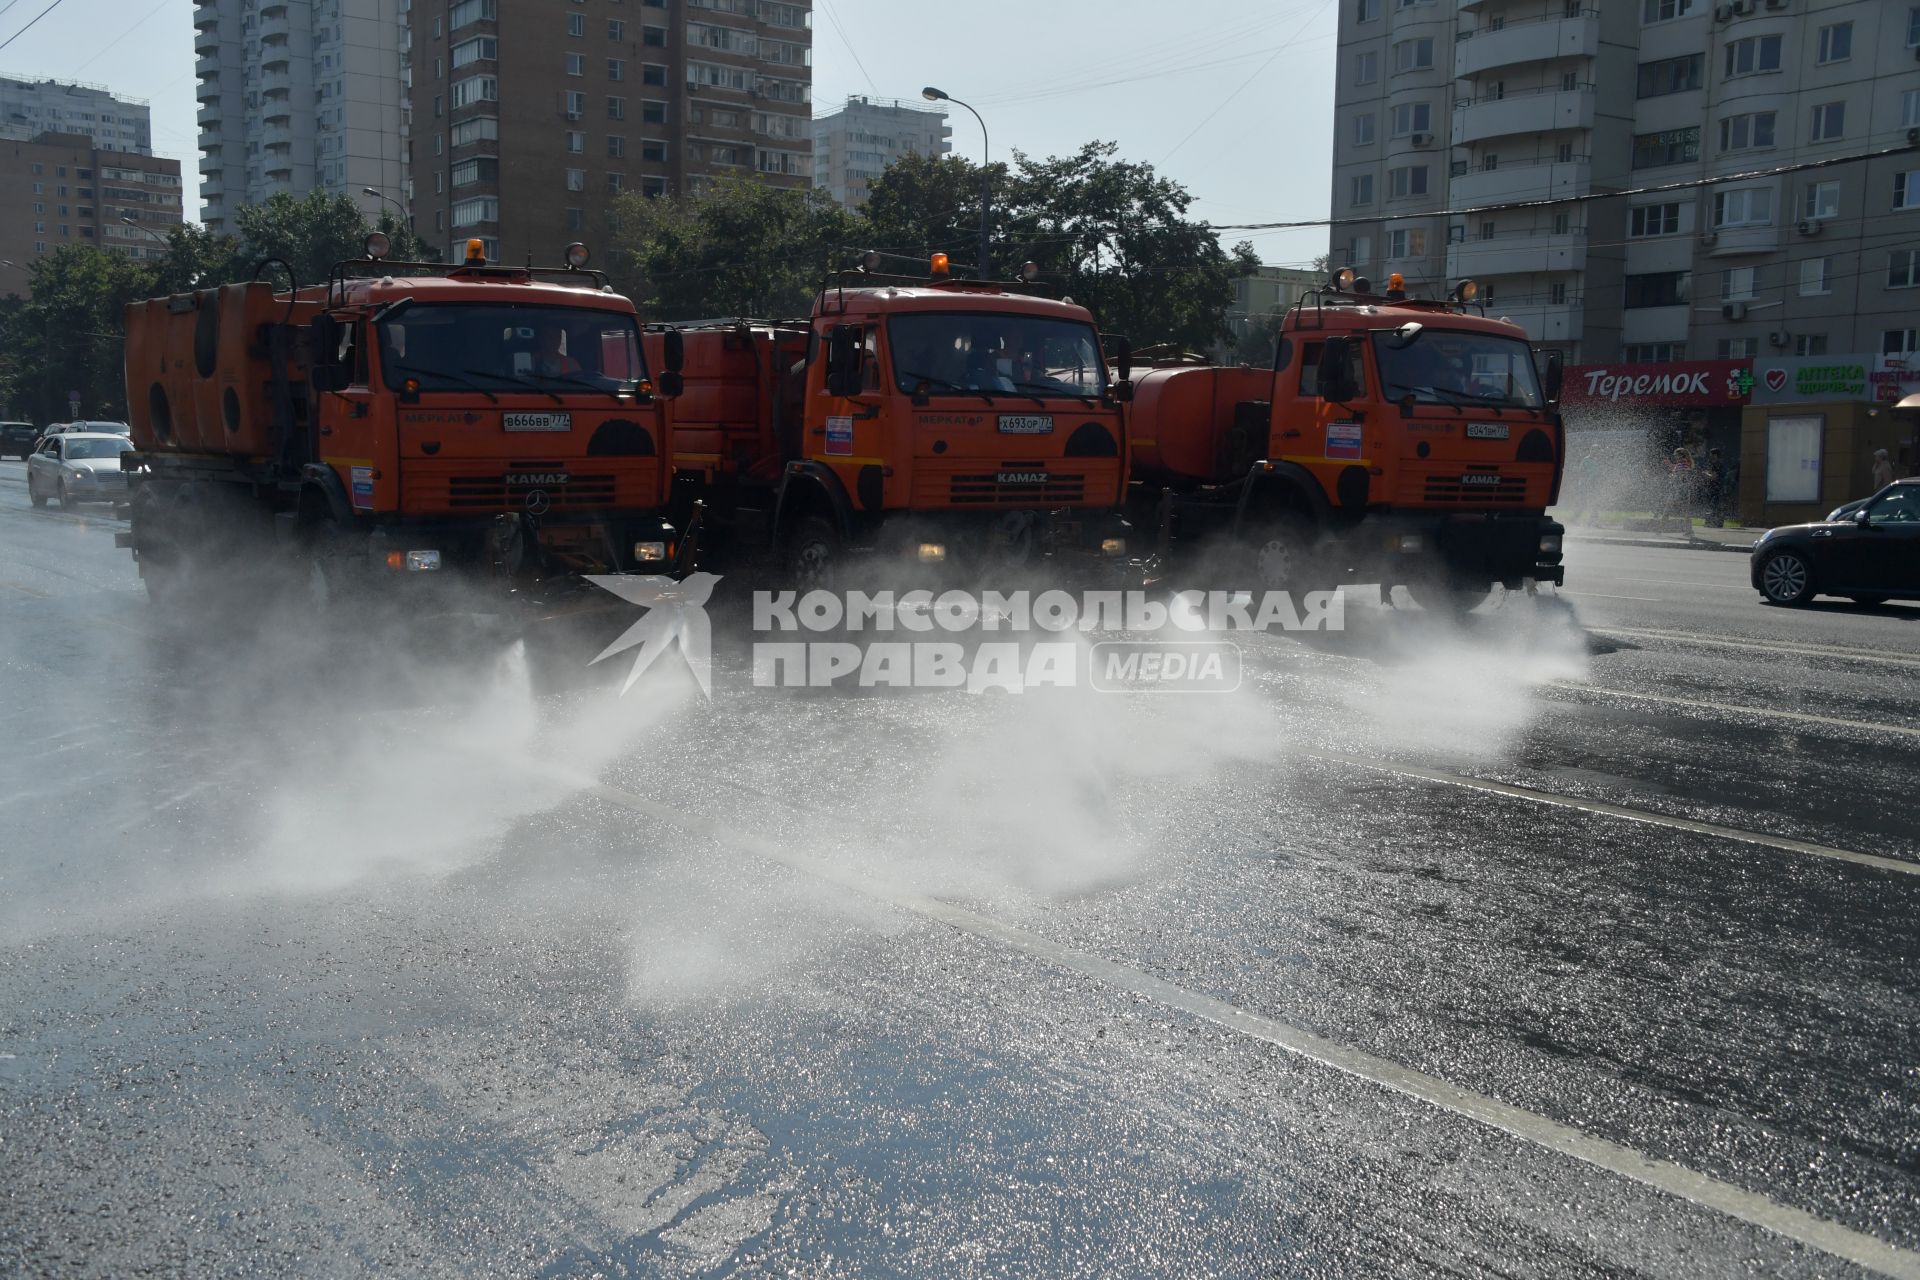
(473, 485)
(1450, 488)
(987, 489)
(465, 492)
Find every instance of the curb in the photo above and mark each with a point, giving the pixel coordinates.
(1670, 544)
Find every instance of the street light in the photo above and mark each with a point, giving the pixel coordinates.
(148, 231)
(932, 94)
(378, 194)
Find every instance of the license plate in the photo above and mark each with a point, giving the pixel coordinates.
(537, 421)
(1026, 424)
(1486, 431)
(1479, 479)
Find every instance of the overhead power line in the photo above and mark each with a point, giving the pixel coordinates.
(36, 17)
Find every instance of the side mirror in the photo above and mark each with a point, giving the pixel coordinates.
(324, 331)
(1336, 381)
(1556, 372)
(1863, 517)
(329, 377)
(843, 360)
(1122, 392)
(676, 355)
(1125, 360)
(670, 383)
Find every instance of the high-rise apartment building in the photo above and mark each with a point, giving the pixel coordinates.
(854, 145)
(64, 189)
(298, 94)
(29, 108)
(526, 119)
(1469, 135)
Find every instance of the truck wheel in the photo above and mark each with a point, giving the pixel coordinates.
(1786, 578)
(1280, 553)
(331, 578)
(814, 553)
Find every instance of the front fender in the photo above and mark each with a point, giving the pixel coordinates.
(1270, 484)
(803, 480)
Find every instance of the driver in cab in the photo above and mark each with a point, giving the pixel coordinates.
(551, 359)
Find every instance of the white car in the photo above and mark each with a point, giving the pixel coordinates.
(78, 466)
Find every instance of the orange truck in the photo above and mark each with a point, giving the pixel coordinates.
(1395, 440)
(403, 422)
(956, 425)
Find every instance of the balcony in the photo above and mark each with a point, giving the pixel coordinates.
(1731, 242)
(207, 64)
(206, 15)
(206, 41)
(1533, 112)
(1546, 322)
(1521, 180)
(207, 90)
(1535, 40)
(1524, 253)
(212, 187)
(276, 80)
(209, 115)
(276, 137)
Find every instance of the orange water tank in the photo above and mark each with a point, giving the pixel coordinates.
(199, 372)
(1199, 422)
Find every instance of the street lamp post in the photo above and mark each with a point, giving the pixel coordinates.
(148, 231)
(932, 94)
(405, 217)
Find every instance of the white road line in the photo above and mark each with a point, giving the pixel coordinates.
(1720, 708)
(1601, 595)
(1814, 650)
(1662, 1175)
(1785, 843)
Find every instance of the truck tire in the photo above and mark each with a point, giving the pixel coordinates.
(332, 576)
(815, 552)
(1280, 552)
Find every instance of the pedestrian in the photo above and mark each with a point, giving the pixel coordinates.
(1680, 482)
(1882, 471)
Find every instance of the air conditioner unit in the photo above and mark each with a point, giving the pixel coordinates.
(1734, 311)
(1422, 139)
(1723, 13)
(1809, 226)
(1779, 338)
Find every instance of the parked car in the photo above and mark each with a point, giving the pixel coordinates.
(105, 428)
(1870, 555)
(77, 466)
(17, 438)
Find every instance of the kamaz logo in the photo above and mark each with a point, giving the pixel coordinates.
(1021, 477)
(536, 477)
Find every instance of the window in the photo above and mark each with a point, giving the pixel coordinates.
(1366, 67)
(1913, 27)
(1664, 10)
(654, 150)
(576, 219)
(653, 37)
(1410, 180)
(653, 73)
(1363, 129)
(653, 186)
(576, 179)
(1359, 251)
(616, 108)
(1816, 276)
(1910, 108)
(576, 143)
(1653, 352)
(1899, 342)
(614, 183)
(478, 129)
(1903, 269)
(1412, 117)
(480, 49)
(616, 147)
(1822, 200)
(1366, 10)
(475, 89)
(576, 24)
(1743, 207)
(1671, 75)
(1654, 220)
(576, 106)
(1906, 189)
(1557, 293)
(1361, 191)
(1737, 348)
(576, 64)
(1749, 129)
(653, 112)
(1487, 229)
(1413, 55)
(616, 30)
(466, 213)
(1659, 289)
(1673, 146)
(469, 11)
(1408, 243)
(1829, 122)
(1752, 55)
(1736, 284)
(1836, 42)
(1810, 344)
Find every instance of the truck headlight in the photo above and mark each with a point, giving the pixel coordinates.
(650, 552)
(1411, 542)
(422, 561)
(933, 552)
(1549, 544)
(1113, 546)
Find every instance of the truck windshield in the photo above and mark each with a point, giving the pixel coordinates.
(968, 351)
(1453, 366)
(454, 346)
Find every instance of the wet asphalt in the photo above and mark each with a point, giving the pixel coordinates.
(332, 952)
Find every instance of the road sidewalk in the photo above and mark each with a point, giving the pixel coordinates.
(1696, 538)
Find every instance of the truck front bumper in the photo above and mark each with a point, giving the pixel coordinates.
(1504, 547)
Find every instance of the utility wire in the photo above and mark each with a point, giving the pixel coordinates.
(36, 17)
(1242, 87)
(834, 18)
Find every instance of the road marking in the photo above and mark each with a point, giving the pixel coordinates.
(1814, 650)
(1601, 595)
(1551, 1135)
(35, 592)
(1718, 708)
(1603, 807)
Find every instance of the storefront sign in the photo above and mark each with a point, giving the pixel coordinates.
(1690, 383)
(1893, 377)
(1799, 380)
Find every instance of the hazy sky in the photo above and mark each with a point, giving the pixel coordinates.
(1235, 101)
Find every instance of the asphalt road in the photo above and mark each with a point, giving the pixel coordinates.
(1576, 939)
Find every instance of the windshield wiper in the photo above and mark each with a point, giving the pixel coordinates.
(1050, 389)
(1456, 397)
(519, 382)
(580, 382)
(442, 373)
(930, 380)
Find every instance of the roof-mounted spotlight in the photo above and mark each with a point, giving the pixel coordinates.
(376, 245)
(1343, 280)
(1029, 271)
(1466, 291)
(870, 261)
(1362, 285)
(576, 256)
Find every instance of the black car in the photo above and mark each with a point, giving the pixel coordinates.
(17, 438)
(1870, 555)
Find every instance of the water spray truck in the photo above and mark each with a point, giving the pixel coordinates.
(957, 426)
(403, 423)
(1396, 440)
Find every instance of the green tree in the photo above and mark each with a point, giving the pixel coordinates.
(313, 233)
(68, 336)
(740, 248)
(1255, 344)
(927, 204)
